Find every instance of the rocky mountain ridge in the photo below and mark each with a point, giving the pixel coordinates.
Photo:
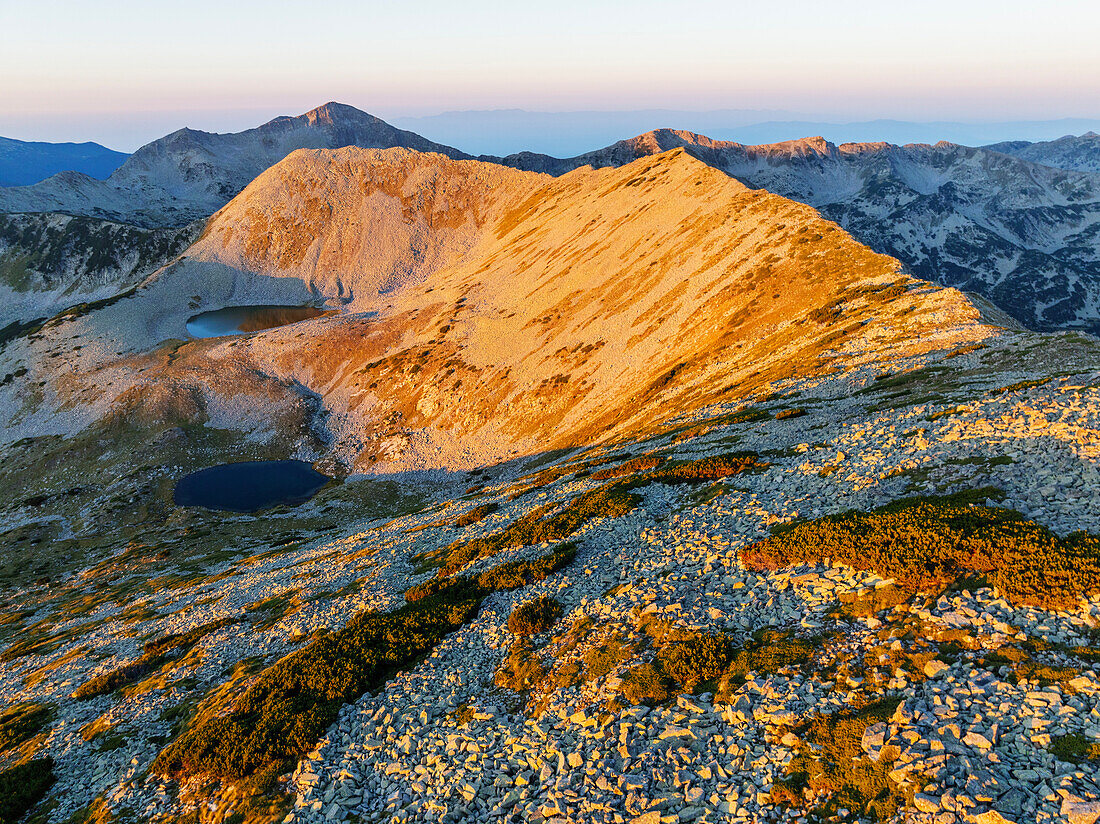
(190, 174)
(498, 307)
(1021, 234)
(1073, 153)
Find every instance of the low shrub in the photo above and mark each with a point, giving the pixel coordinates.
(1016, 387)
(1044, 674)
(1075, 748)
(516, 574)
(435, 586)
(699, 659)
(925, 544)
(705, 470)
(23, 722)
(290, 704)
(118, 677)
(521, 670)
(535, 616)
(23, 786)
(691, 661)
(611, 500)
(603, 658)
(837, 772)
(646, 684)
(786, 414)
(478, 513)
(871, 600)
(631, 467)
(769, 652)
(510, 575)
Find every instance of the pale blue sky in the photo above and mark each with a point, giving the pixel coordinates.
(83, 69)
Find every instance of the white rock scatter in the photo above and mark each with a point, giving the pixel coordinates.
(441, 743)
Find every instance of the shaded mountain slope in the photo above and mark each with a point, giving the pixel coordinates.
(189, 174)
(51, 261)
(1023, 235)
(531, 313)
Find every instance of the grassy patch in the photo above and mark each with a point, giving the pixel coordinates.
(23, 722)
(785, 414)
(1075, 748)
(23, 786)
(534, 616)
(538, 526)
(926, 543)
(835, 773)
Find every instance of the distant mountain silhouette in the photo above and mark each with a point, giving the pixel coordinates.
(24, 162)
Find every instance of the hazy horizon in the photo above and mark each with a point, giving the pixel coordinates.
(75, 73)
(561, 133)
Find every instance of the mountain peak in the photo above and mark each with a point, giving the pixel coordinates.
(190, 174)
(333, 113)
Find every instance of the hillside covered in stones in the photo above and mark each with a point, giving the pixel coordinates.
(654, 498)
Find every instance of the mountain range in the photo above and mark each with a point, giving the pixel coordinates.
(1015, 223)
(24, 162)
(189, 174)
(505, 131)
(1078, 154)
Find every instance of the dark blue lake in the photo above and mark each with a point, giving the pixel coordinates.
(249, 486)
